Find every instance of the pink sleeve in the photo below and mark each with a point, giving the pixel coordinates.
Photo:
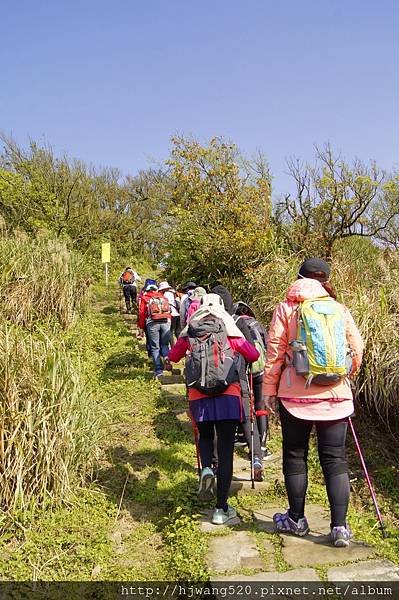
(245, 348)
(179, 349)
(355, 341)
(276, 350)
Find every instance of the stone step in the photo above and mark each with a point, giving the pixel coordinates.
(232, 553)
(370, 570)
(318, 548)
(291, 576)
(175, 389)
(171, 379)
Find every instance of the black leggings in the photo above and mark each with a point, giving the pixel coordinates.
(331, 437)
(225, 431)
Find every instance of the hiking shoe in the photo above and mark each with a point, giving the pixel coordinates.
(340, 536)
(220, 517)
(267, 453)
(258, 469)
(284, 524)
(158, 375)
(239, 440)
(167, 365)
(206, 485)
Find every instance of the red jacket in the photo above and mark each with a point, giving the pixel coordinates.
(143, 309)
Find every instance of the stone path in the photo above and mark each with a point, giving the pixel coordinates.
(248, 549)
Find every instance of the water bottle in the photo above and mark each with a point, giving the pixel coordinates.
(300, 359)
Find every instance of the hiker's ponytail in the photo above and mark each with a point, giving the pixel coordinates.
(329, 289)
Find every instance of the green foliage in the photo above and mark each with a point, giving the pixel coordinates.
(48, 196)
(187, 548)
(221, 218)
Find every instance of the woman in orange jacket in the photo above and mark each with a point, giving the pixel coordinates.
(303, 404)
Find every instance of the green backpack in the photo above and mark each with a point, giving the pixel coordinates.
(320, 352)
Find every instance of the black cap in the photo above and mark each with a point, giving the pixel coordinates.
(190, 285)
(311, 266)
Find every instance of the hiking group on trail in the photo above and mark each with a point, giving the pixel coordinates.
(237, 374)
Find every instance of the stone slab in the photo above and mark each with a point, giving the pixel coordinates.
(233, 552)
(175, 389)
(292, 575)
(171, 379)
(370, 570)
(207, 527)
(316, 549)
(317, 516)
(241, 483)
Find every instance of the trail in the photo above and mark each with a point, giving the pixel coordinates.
(248, 549)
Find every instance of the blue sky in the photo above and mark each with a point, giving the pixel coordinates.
(110, 82)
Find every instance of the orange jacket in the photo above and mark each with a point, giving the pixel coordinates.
(280, 379)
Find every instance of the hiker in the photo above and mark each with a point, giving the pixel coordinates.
(128, 280)
(259, 339)
(188, 290)
(211, 409)
(245, 427)
(154, 318)
(308, 369)
(174, 304)
(198, 293)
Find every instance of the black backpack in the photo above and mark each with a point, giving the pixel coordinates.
(210, 365)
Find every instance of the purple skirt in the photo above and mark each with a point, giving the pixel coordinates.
(216, 408)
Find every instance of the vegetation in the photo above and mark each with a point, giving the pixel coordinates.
(94, 466)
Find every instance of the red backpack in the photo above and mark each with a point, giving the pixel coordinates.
(128, 277)
(158, 307)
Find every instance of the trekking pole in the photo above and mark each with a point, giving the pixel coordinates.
(251, 410)
(373, 496)
(196, 441)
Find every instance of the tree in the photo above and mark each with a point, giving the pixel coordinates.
(221, 212)
(334, 200)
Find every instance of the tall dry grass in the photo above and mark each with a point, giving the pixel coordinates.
(41, 282)
(49, 422)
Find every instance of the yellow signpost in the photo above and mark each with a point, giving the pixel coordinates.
(106, 258)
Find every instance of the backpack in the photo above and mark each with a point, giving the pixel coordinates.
(158, 307)
(193, 307)
(128, 277)
(210, 365)
(259, 342)
(320, 352)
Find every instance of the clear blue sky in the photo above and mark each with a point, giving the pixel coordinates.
(110, 82)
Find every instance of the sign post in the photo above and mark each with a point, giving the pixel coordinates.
(106, 258)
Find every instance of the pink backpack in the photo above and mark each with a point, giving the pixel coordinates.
(194, 306)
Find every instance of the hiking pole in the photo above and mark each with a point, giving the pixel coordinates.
(251, 410)
(196, 441)
(373, 496)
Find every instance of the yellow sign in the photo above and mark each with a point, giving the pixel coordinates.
(106, 252)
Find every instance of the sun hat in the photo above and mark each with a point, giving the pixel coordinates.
(190, 285)
(164, 285)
